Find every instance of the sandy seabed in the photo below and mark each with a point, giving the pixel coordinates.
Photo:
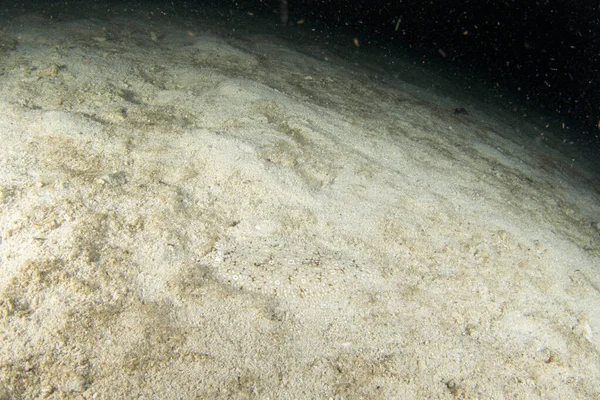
(194, 211)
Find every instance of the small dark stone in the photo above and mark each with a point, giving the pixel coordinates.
(460, 111)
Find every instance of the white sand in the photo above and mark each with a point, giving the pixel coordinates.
(189, 211)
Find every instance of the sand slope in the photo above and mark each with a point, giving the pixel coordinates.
(187, 213)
